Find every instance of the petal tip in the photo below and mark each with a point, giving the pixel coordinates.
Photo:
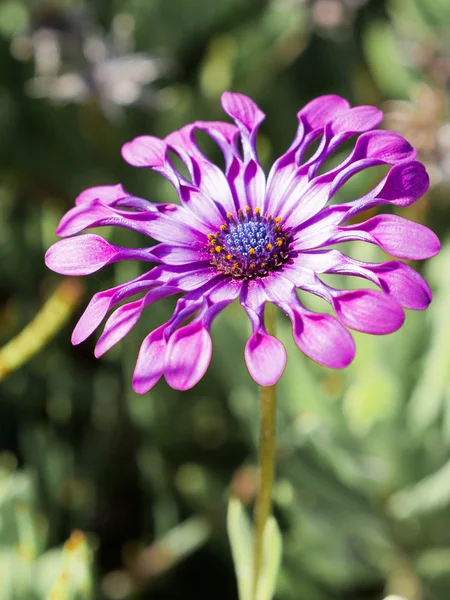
(76, 339)
(145, 151)
(139, 386)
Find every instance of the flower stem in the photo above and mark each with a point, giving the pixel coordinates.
(267, 437)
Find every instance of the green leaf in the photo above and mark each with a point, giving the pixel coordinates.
(240, 533)
(271, 560)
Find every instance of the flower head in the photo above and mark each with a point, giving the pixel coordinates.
(76, 61)
(238, 234)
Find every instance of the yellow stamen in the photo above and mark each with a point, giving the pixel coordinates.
(277, 219)
(223, 227)
(218, 248)
(252, 251)
(269, 247)
(279, 242)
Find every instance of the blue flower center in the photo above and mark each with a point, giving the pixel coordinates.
(249, 246)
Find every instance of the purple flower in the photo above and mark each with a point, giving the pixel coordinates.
(241, 235)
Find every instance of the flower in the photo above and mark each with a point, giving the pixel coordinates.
(237, 234)
(423, 121)
(75, 61)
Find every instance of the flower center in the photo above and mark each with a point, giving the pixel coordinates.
(250, 246)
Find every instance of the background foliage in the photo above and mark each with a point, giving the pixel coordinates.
(107, 494)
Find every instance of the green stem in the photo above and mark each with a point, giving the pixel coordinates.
(267, 438)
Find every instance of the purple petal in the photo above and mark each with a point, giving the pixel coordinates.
(206, 175)
(207, 301)
(171, 230)
(92, 317)
(320, 111)
(395, 235)
(265, 357)
(356, 120)
(102, 302)
(98, 214)
(404, 284)
(178, 255)
(224, 134)
(345, 124)
(202, 206)
(81, 255)
(371, 149)
(298, 274)
(323, 261)
(118, 325)
(164, 222)
(226, 289)
(395, 278)
(185, 309)
(200, 202)
(145, 151)
(253, 295)
(247, 116)
(254, 185)
(150, 362)
(82, 217)
(284, 176)
(384, 146)
(324, 339)
(278, 286)
(188, 356)
(368, 311)
(245, 177)
(306, 203)
(235, 178)
(320, 229)
(125, 318)
(151, 152)
(405, 184)
(192, 278)
(321, 337)
(85, 254)
(105, 193)
(148, 151)
(287, 176)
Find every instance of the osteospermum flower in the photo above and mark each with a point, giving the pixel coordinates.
(238, 234)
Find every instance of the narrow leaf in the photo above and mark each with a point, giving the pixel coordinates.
(240, 534)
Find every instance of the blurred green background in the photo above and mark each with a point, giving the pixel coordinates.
(110, 495)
